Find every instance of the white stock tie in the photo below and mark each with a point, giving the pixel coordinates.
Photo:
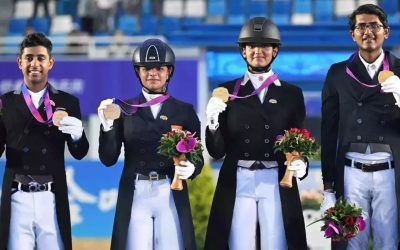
(371, 70)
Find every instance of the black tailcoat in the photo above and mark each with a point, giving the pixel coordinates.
(352, 113)
(140, 134)
(248, 131)
(38, 149)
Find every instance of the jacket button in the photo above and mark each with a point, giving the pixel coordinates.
(162, 164)
(383, 122)
(42, 167)
(46, 132)
(266, 155)
(380, 138)
(266, 140)
(246, 154)
(142, 150)
(358, 137)
(142, 163)
(26, 167)
(26, 131)
(247, 140)
(266, 126)
(359, 120)
(44, 151)
(359, 104)
(25, 149)
(386, 105)
(246, 126)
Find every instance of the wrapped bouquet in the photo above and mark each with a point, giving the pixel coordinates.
(180, 145)
(295, 144)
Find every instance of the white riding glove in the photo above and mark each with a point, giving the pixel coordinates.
(214, 107)
(71, 125)
(184, 170)
(107, 124)
(328, 201)
(298, 167)
(392, 85)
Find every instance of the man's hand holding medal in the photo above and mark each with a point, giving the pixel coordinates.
(68, 124)
(390, 83)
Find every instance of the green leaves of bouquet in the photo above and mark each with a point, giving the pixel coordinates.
(343, 221)
(178, 142)
(296, 139)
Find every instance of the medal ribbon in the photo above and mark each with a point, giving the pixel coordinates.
(130, 109)
(265, 84)
(348, 71)
(32, 108)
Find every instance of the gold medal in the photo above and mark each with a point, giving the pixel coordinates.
(383, 75)
(58, 115)
(221, 93)
(112, 112)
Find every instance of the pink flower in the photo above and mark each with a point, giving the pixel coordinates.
(294, 130)
(185, 145)
(331, 229)
(360, 223)
(306, 134)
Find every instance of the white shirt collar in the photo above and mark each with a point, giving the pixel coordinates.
(248, 76)
(37, 97)
(377, 63)
(150, 96)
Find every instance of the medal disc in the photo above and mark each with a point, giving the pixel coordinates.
(112, 112)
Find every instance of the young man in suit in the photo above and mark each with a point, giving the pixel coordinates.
(34, 203)
(244, 130)
(149, 215)
(361, 133)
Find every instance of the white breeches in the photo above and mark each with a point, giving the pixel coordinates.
(375, 193)
(33, 222)
(257, 199)
(154, 220)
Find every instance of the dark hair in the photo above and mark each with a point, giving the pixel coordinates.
(368, 9)
(33, 40)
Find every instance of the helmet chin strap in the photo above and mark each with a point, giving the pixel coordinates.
(264, 69)
(163, 92)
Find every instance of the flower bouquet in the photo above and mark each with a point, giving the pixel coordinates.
(343, 221)
(180, 145)
(296, 144)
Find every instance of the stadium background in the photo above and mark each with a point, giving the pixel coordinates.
(92, 49)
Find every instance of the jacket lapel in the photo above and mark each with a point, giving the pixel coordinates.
(253, 101)
(145, 111)
(22, 108)
(361, 73)
(162, 121)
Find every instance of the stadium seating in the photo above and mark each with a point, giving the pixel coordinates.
(17, 26)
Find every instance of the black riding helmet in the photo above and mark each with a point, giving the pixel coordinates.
(153, 53)
(259, 30)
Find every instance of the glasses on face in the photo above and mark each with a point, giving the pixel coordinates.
(373, 27)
